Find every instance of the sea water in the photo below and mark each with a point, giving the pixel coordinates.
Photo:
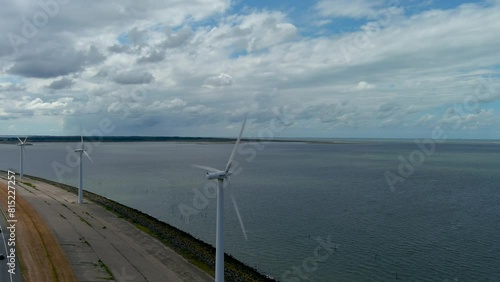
(312, 212)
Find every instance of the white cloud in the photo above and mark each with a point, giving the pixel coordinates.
(348, 8)
(187, 58)
(363, 85)
(221, 80)
(39, 104)
(198, 110)
(425, 119)
(10, 87)
(456, 120)
(167, 104)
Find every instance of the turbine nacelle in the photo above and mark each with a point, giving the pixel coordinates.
(82, 150)
(23, 143)
(220, 175)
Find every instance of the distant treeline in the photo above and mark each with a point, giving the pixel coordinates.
(114, 139)
(38, 139)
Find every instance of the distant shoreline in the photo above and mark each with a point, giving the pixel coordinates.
(117, 139)
(12, 140)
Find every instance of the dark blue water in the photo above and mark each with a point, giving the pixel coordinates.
(441, 224)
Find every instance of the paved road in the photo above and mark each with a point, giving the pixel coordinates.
(102, 247)
(4, 273)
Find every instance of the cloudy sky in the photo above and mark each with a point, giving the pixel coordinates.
(323, 68)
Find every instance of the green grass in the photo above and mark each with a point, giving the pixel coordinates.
(145, 229)
(29, 184)
(193, 260)
(106, 268)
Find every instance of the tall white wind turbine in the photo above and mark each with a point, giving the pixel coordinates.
(81, 151)
(21, 145)
(221, 176)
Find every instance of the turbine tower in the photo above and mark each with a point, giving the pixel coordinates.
(81, 151)
(21, 147)
(221, 176)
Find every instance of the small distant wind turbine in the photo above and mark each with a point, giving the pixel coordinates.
(220, 176)
(82, 151)
(21, 147)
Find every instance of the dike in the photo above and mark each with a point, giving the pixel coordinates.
(197, 252)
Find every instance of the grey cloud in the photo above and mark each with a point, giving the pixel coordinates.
(264, 100)
(5, 47)
(53, 62)
(388, 109)
(94, 57)
(177, 39)
(342, 113)
(61, 84)
(78, 16)
(126, 49)
(117, 48)
(153, 57)
(48, 63)
(136, 36)
(101, 74)
(133, 77)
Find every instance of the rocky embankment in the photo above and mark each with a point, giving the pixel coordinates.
(196, 251)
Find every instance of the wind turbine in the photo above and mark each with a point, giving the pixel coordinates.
(221, 176)
(21, 147)
(81, 151)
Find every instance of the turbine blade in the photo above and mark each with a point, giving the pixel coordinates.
(25, 139)
(207, 168)
(85, 152)
(229, 163)
(235, 204)
(19, 140)
(81, 134)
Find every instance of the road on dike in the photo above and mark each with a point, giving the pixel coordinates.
(98, 245)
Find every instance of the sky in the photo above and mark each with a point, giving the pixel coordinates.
(324, 68)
